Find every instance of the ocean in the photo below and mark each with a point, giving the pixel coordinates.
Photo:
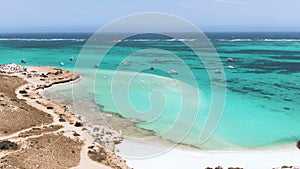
(262, 91)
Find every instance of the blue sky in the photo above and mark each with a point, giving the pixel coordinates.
(208, 15)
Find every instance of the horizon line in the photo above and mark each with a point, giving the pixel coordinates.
(206, 31)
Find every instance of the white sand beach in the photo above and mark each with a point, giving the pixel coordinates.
(179, 158)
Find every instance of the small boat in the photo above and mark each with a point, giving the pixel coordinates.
(218, 71)
(23, 61)
(124, 63)
(230, 67)
(71, 58)
(230, 60)
(96, 66)
(173, 72)
(151, 68)
(62, 63)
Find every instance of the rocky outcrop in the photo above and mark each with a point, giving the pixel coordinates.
(106, 157)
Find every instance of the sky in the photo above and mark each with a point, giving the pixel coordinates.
(90, 15)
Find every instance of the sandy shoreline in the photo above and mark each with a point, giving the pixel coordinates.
(47, 144)
(178, 158)
(83, 138)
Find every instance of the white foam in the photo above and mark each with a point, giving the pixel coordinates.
(259, 40)
(235, 40)
(155, 40)
(279, 40)
(34, 39)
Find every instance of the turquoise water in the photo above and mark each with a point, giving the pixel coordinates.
(262, 105)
